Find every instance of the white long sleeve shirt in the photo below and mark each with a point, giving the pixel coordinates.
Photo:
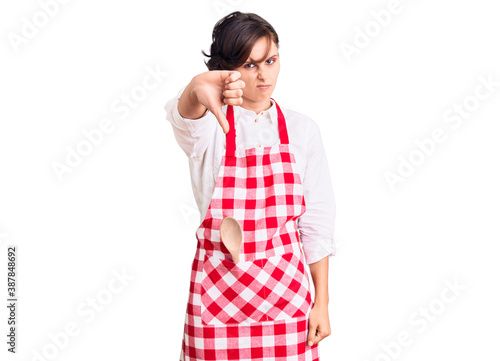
(203, 141)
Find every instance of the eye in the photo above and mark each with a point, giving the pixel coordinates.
(252, 65)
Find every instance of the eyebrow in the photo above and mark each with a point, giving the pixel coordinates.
(272, 56)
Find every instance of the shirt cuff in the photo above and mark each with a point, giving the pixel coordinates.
(318, 249)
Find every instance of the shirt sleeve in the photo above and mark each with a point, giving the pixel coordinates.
(316, 225)
(193, 135)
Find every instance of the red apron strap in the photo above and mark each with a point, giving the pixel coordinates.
(281, 124)
(231, 134)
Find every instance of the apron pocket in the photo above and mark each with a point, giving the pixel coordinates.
(268, 289)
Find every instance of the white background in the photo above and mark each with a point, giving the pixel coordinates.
(128, 205)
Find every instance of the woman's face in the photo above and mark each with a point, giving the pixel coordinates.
(257, 74)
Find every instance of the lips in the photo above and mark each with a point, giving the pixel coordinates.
(263, 86)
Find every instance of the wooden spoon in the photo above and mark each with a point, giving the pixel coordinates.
(232, 236)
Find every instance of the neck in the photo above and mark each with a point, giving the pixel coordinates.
(257, 106)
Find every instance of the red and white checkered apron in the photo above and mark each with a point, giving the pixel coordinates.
(258, 308)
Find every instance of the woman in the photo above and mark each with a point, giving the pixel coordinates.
(266, 167)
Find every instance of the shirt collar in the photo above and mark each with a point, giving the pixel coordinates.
(272, 112)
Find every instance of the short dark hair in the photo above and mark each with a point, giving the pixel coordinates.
(233, 38)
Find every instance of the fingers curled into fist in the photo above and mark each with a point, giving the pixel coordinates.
(233, 90)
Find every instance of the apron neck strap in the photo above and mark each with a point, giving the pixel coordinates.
(231, 134)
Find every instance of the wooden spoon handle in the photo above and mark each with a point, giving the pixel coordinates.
(232, 236)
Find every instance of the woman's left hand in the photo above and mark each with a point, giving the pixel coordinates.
(319, 323)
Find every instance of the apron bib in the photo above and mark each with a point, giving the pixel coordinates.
(258, 307)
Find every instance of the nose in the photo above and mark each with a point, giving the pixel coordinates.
(261, 73)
